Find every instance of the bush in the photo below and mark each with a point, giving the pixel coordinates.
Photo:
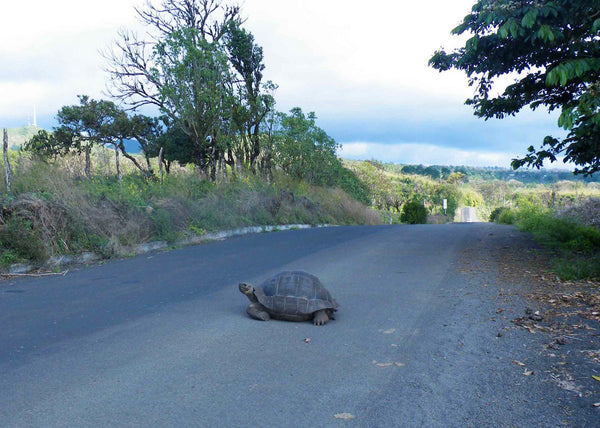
(496, 213)
(354, 186)
(507, 216)
(559, 232)
(414, 213)
(577, 267)
(21, 241)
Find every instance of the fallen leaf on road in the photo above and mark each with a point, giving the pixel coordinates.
(596, 378)
(518, 363)
(344, 416)
(397, 364)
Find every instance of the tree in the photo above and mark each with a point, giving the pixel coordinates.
(96, 122)
(46, 145)
(85, 125)
(253, 104)
(414, 212)
(305, 151)
(196, 92)
(147, 131)
(552, 48)
(183, 69)
(134, 75)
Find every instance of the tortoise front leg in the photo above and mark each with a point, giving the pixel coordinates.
(320, 317)
(257, 311)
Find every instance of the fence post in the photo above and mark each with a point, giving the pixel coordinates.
(8, 172)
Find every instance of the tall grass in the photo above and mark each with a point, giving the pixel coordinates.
(577, 245)
(53, 210)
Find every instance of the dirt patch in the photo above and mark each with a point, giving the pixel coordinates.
(565, 313)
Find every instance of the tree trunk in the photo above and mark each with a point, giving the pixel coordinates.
(118, 165)
(160, 162)
(88, 162)
(147, 173)
(8, 172)
(149, 166)
(238, 165)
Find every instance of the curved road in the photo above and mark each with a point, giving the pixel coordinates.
(164, 340)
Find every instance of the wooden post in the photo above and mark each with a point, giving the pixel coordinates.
(118, 165)
(160, 162)
(8, 172)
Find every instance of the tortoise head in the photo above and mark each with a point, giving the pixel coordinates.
(248, 290)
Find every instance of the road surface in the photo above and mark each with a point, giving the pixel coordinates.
(163, 339)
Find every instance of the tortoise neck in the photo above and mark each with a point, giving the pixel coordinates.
(252, 297)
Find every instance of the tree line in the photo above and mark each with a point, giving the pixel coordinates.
(203, 72)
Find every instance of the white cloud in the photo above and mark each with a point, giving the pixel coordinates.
(430, 154)
(362, 67)
(427, 154)
(49, 53)
(319, 52)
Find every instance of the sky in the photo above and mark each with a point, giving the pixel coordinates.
(360, 66)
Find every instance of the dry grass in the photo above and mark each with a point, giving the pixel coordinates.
(586, 211)
(54, 210)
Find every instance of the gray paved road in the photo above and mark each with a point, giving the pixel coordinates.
(163, 339)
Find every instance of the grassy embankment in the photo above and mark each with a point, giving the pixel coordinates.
(575, 241)
(53, 210)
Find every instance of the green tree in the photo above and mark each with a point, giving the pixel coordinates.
(451, 193)
(305, 151)
(178, 146)
(203, 71)
(414, 212)
(254, 100)
(147, 132)
(46, 145)
(552, 48)
(195, 91)
(85, 125)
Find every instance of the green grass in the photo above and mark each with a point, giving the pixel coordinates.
(577, 245)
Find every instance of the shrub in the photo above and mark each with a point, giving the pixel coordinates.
(414, 213)
(354, 186)
(496, 213)
(577, 267)
(507, 216)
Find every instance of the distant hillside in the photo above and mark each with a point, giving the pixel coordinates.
(524, 175)
(18, 136)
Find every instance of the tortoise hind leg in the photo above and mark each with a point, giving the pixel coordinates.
(320, 317)
(257, 311)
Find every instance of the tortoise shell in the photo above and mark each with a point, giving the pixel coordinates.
(294, 293)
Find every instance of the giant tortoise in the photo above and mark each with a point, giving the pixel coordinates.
(290, 296)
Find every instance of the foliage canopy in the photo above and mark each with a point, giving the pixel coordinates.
(552, 48)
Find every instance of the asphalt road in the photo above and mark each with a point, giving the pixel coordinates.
(163, 339)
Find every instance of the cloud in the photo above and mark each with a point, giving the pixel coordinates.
(51, 55)
(362, 70)
(456, 129)
(429, 154)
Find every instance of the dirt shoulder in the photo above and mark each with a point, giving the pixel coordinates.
(562, 318)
